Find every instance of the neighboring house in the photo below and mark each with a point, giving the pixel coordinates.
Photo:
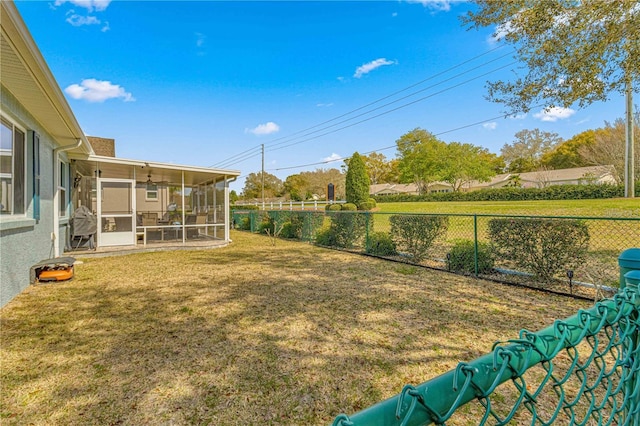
(577, 176)
(48, 168)
(540, 179)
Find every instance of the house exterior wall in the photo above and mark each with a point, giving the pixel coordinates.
(23, 240)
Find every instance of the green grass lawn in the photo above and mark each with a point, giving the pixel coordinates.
(617, 207)
(250, 334)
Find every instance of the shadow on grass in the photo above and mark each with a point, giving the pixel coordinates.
(249, 334)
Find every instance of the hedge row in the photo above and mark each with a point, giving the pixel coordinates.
(556, 192)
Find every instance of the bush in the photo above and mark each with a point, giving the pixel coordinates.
(245, 223)
(545, 247)
(373, 201)
(366, 206)
(553, 192)
(326, 237)
(348, 207)
(289, 230)
(381, 244)
(462, 257)
(415, 234)
(333, 207)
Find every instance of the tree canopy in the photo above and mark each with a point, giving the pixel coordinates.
(424, 159)
(572, 51)
(253, 186)
(528, 148)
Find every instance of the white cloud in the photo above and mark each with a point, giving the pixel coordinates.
(440, 5)
(332, 157)
(200, 39)
(370, 66)
(79, 20)
(93, 90)
(90, 5)
(321, 105)
(518, 116)
(490, 126)
(264, 129)
(105, 27)
(554, 114)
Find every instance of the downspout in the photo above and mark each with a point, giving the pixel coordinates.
(227, 205)
(56, 195)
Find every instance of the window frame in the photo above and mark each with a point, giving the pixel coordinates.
(63, 189)
(21, 177)
(148, 191)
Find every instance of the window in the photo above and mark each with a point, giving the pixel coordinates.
(152, 192)
(63, 188)
(12, 168)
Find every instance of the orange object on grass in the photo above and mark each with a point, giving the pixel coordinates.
(59, 274)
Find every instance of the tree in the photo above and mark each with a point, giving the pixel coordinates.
(378, 168)
(573, 51)
(296, 186)
(357, 181)
(253, 186)
(567, 154)
(526, 152)
(420, 156)
(465, 162)
(608, 147)
(233, 196)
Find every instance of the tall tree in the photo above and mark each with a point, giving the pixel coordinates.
(608, 147)
(572, 51)
(567, 154)
(465, 162)
(420, 158)
(296, 186)
(525, 153)
(253, 186)
(378, 168)
(357, 181)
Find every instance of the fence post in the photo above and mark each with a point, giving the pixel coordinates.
(475, 243)
(629, 262)
(366, 230)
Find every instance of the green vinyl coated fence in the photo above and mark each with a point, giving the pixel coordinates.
(574, 254)
(583, 370)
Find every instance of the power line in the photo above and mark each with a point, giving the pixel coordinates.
(393, 109)
(272, 148)
(394, 146)
(239, 157)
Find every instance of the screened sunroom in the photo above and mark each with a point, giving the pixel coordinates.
(138, 202)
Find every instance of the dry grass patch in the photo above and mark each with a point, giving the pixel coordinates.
(248, 334)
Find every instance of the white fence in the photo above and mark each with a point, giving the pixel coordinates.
(290, 205)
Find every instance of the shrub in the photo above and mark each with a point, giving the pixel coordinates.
(545, 247)
(366, 206)
(326, 237)
(348, 228)
(373, 201)
(415, 234)
(348, 207)
(381, 244)
(289, 230)
(245, 223)
(333, 207)
(356, 180)
(462, 257)
(267, 226)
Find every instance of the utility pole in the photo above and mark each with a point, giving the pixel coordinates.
(262, 176)
(629, 178)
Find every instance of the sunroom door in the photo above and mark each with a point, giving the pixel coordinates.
(116, 212)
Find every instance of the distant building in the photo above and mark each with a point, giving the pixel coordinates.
(600, 175)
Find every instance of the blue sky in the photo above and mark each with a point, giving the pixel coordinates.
(201, 82)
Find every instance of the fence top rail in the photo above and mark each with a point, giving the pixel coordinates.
(506, 216)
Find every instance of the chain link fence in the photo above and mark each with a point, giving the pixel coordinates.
(574, 255)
